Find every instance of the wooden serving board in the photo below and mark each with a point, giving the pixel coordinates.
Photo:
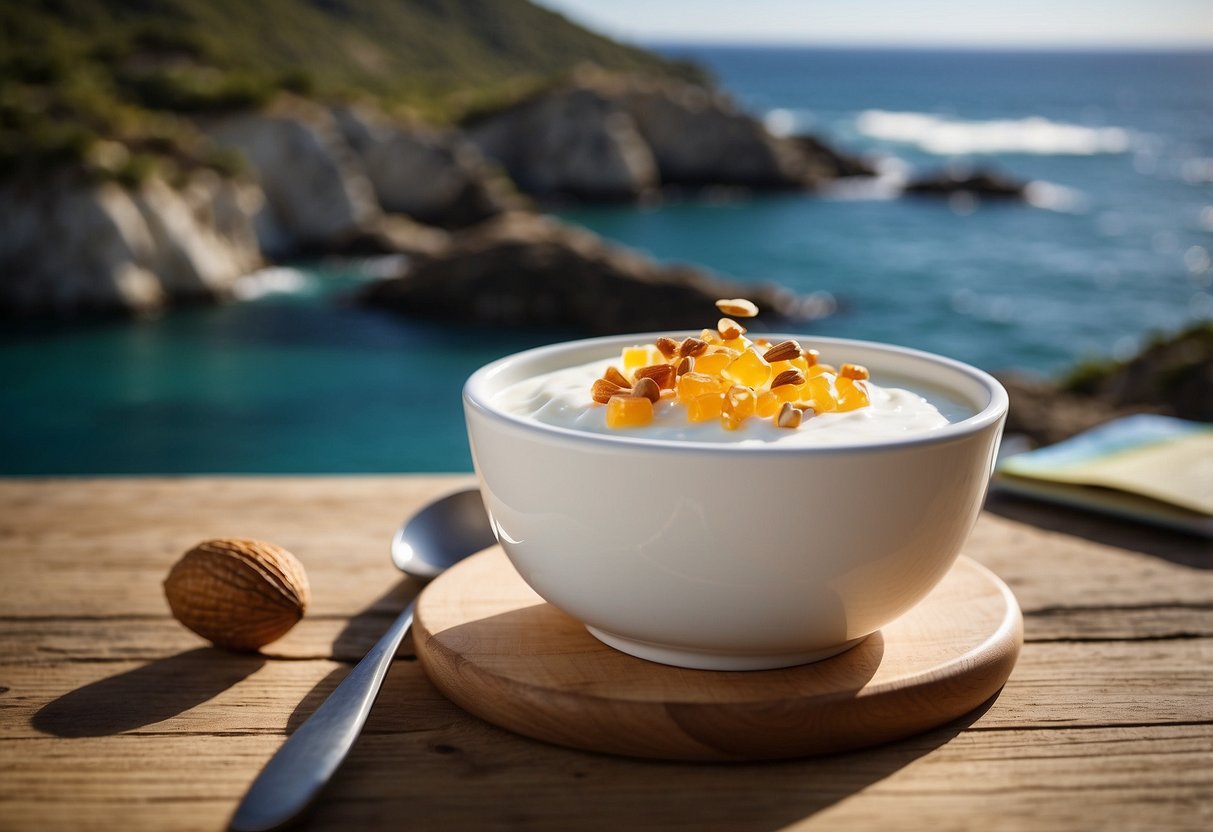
(495, 648)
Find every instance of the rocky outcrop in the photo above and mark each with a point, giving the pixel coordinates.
(71, 248)
(698, 138)
(527, 270)
(431, 174)
(964, 180)
(573, 141)
(1173, 376)
(317, 195)
(604, 138)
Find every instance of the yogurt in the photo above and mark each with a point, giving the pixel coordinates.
(562, 399)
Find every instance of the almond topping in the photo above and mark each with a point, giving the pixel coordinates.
(615, 377)
(729, 329)
(783, 351)
(603, 389)
(684, 366)
(667, 346)
(647, 388)
(789, 416)
(663, 374)
(788, 377)
(692, 347)
(854, 371)
(737, 307)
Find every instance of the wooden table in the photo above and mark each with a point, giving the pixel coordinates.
(114, 716)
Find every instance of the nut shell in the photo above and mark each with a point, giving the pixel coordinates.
(238, 594)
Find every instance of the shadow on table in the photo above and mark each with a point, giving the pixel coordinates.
(424, 763)
(157, 691)
(1179, 548)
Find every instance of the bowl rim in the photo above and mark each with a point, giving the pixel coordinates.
(476, 400)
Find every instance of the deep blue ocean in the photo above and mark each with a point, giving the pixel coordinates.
(1114, 246)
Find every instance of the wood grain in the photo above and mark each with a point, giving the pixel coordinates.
(496, 648)
(113, 717)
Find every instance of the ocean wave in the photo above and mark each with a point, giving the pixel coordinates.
(944, 136)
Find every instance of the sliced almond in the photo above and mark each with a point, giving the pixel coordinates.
(811, 357)
(667, 346)
(684, 366)
(603, 389)
(613, 375)
(788, 377)
(647, 388)
(729, 329)
(783, 351)
(663, 374)
(692, 347)
(737, 307)
(789, 416)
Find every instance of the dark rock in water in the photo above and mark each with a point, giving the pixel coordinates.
(964, 180)
(527, 270)
(1172, 376)
(828, 162)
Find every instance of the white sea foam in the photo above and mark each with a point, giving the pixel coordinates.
(273, 280)
(945, 136)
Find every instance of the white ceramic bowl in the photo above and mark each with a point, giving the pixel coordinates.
(726, 557)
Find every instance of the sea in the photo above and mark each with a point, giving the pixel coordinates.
(1112, 247)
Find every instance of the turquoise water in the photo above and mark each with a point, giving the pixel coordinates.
(305, 383)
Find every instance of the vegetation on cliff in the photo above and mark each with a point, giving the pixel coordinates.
(76, 72)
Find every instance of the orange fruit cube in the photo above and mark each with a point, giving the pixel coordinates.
(705, 408)
(749, 369)
(628, 412)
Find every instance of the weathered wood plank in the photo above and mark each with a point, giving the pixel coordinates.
(466, 775)
(1053, 685)
(113, 715)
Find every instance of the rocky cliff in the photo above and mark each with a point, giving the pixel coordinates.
(610, 138)
(72, 247)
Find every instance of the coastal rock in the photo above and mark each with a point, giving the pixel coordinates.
(964, 180)
(572, 141)
(1172, 376)
(72, 248)
(316, 194)
(699, 138)
(433, 175)
(527, 270)
(603, 137)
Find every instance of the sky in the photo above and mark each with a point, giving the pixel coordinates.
(1010, 23)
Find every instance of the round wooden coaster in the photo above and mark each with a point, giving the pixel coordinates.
(498, 650)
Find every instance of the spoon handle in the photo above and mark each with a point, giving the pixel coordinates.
(306, 761)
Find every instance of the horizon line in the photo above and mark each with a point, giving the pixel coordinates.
(920, 46)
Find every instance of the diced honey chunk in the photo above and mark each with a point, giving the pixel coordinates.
(711, 336)
(788, 392)
(693, 384)
(740, 401)
(749, 369)
(851, 394)
(778, 367)
(820, 392)
(637, 357)
(628, 412)
(741, 344)
(768, 404)
(713, 363)
(705, 408)
(856, 372)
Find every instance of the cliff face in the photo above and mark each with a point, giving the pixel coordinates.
(604, 138)
(70, 247)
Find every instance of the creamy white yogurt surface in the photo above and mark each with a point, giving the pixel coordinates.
(562, 398)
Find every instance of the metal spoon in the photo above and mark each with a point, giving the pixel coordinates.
(437, 537)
